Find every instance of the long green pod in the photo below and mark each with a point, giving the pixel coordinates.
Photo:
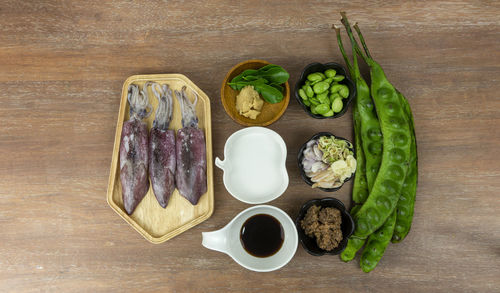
(396, 150)
(359, 190)
(371, 134)
(376, 244)
(406, 203)
(360, 187)
(354, 243)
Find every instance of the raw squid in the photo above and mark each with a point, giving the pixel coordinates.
(134, 150)
(190, 150)
(162, 147)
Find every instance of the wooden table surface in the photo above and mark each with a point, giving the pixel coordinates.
(62, 66)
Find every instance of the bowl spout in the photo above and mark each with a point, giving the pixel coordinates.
(216, 240)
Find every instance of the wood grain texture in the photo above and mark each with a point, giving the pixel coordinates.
(62, 65)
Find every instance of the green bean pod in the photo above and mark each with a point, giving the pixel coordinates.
(371, 135)
(376, 244)
(353, 243)
(360, 188)
(406, 203)
(396, 149)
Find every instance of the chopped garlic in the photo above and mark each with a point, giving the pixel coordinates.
(344, 168)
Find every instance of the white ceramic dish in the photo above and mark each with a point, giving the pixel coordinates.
(254, 165)
(227, 240)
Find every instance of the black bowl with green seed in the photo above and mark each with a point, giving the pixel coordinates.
(324, 90)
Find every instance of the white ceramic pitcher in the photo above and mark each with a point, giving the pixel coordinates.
(227, 240)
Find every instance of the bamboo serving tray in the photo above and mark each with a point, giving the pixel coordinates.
(153, 222)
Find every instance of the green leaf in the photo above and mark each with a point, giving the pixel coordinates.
(268, 79)
(276, 75)
(269, 93)
(238, 85)
(250, 77)
(241, 76)
(277, 86)
(234, 81)
(249, 72)
(269, 66)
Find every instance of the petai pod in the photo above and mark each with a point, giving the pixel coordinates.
(360, 188)
(359, 192)
(406, 201)
(371, 135)
(354, 243)
(376, 244)
(396, 150)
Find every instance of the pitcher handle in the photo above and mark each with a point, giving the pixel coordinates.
(219, 163)
(216, 240)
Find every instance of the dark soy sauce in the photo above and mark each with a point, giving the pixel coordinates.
(262, 235)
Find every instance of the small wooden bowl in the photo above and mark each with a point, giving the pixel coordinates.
(270, 112)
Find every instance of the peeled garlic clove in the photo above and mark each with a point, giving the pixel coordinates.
(339, 165)
(351, 162)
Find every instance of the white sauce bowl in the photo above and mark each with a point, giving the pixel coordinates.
(254, 165)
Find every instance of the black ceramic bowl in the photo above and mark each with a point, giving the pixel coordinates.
(347, 226)
(318, 67)
(300, 156)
